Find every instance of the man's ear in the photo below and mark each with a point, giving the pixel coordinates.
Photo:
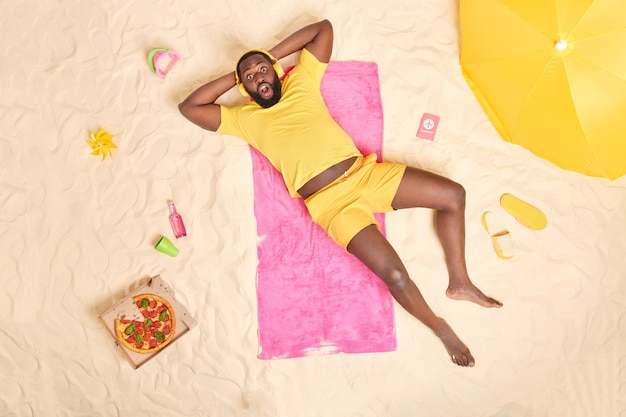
(280, 73)
(242, 89)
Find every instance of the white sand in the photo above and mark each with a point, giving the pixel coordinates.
(77, 233)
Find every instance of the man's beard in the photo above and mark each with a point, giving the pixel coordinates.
(276, 88)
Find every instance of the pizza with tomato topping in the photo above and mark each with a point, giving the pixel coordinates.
(154, 332)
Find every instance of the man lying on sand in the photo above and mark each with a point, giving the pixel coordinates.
(288, 122)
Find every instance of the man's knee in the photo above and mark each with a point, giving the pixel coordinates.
(396, 278)
(456, 197)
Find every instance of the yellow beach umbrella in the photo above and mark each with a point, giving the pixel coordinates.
(551, 76)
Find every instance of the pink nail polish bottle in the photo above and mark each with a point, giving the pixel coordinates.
(176, 221)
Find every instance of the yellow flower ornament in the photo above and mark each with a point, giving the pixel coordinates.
(102, 143)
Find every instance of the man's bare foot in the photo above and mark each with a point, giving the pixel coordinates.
(469, 292)
(459, 353)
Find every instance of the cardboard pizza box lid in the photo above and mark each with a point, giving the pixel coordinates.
(126, 309)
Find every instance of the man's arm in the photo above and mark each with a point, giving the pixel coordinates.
(200, 107)
(317, 38)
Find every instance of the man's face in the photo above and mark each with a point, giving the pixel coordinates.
(260, 80)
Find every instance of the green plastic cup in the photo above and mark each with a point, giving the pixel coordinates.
(166, 246)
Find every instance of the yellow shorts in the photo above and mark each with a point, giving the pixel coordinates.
(347, 205)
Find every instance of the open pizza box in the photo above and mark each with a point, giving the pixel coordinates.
(126, 309)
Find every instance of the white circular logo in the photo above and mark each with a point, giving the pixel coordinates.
(428, 124)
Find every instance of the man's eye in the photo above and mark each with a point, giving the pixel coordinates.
(249, 77)
(264, 69)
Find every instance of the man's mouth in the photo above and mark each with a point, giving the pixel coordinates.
(265, 90)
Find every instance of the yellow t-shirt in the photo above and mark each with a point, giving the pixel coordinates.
(297, 135)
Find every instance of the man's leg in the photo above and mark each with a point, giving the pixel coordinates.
(420, 188)
(371, 247)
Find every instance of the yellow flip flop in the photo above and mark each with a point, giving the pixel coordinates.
(529, 216)
(500, 237)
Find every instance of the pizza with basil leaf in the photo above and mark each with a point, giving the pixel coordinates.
(154, 332)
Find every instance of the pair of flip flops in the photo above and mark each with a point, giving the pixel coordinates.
(526, 214)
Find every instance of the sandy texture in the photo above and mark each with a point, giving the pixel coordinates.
(77, 233)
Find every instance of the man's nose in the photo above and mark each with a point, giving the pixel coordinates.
(259, 78)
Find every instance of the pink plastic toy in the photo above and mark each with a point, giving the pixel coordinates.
(162, 60)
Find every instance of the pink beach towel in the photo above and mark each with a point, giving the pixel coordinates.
(313, 297)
